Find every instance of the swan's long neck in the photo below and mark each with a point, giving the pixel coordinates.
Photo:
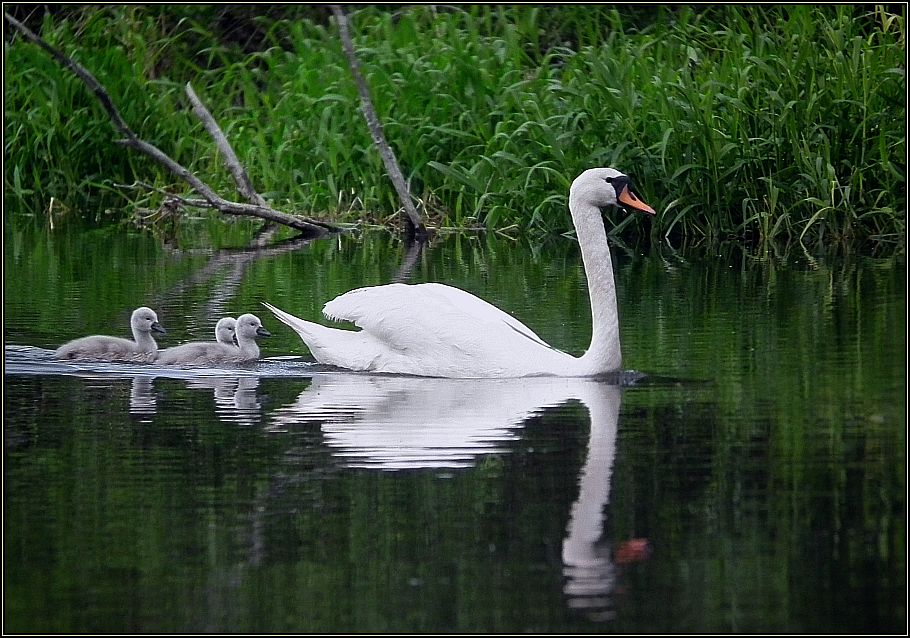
(604, 354)
(144, 340)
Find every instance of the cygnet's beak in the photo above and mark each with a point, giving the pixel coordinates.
(262, 332)
(156, 327)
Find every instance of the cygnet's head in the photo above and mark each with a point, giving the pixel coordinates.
(145, 320)
(249, 327)
(225, 331)
(606, 187)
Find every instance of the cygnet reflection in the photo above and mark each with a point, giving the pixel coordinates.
(236, 398)
(143, 401)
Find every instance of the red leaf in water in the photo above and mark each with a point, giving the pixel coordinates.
(632, 551)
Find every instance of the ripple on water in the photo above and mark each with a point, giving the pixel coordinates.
(31, 360)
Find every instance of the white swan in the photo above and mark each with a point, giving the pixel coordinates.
(204, 352)
(208, 353)
(440, 331)
(142, 349)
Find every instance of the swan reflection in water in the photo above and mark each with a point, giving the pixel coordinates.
(396, 423)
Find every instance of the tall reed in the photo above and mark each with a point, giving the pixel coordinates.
(735, 121)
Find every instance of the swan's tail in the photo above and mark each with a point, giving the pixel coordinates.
(318, 338)
(306, 329)
(332, 346)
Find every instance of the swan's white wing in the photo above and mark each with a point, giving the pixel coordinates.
(404, 316)
(427, 330)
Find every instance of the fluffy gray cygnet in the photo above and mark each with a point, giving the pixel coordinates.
(203, 352)
(208, 353)
(142, 349)
(225, 331)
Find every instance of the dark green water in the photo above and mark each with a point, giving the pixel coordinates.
(754, 483)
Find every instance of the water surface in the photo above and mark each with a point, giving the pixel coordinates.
(752, 481)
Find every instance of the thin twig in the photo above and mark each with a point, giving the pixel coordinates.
(180, 199)
(369, 113)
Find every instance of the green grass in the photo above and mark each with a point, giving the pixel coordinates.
(736, 122)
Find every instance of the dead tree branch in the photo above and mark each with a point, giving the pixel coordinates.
(235, 168)
(244, 186)
(416, 225)
(257, 206)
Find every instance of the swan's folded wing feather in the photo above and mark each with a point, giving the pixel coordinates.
(408, 316)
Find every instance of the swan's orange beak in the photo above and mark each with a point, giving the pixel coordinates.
(628, 198)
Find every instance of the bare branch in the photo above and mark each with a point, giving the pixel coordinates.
(80, 71)
(369, 113)
(244, 185)
(131, 138)
(311, 228)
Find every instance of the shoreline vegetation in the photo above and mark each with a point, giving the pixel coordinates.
(737, 123)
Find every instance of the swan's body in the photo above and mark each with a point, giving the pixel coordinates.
(441, 331)
(208, 353)
(142, 349)
(476, 339)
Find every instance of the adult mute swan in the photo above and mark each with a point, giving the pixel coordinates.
(142, 349)
(206, 353)
(440, 331)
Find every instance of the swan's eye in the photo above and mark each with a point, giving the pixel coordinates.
(608, 180)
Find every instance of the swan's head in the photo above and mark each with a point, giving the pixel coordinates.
(249, 327)
(145, 320)
(606, 187)
(224, 331)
